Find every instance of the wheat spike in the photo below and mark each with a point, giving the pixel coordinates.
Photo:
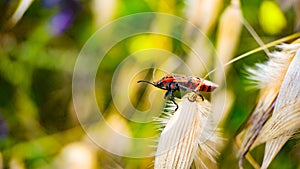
(269, 77)
(285, 120)
(187, 137)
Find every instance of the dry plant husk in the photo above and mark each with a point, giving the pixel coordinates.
(188, 136)
(227, 41)
(276, 117)
(203, 13)
(229, 31)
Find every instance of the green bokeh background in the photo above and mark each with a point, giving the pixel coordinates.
(37, 118)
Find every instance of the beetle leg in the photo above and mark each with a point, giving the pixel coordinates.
(172, 99)
(200, 96)
(185, 88)
(166, 94)
(174, 103)
(170, 94)
(188, 89)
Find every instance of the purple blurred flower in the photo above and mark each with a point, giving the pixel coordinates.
(68, 10)
(3, 128)
(61, 22)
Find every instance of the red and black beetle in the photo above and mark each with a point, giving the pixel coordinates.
(175, 82)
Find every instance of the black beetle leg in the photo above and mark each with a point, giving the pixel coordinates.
(200, 96)
(188, 89)
(166, 94)
(174, 103)
(170, 93)
(172, 99)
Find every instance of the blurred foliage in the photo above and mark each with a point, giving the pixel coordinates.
(37, 56)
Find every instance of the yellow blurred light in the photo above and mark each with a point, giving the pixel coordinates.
(150, 41)
(271, 18)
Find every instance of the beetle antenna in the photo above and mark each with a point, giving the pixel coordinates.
(146, 82)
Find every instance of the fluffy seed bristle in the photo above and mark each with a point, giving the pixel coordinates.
(278, 80)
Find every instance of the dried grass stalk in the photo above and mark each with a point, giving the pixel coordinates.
(229, 30)
(203, 13)
(19, 12)
(103, 11)
(228, 35)
(272, 78)
(285, 120)
(187, 137)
